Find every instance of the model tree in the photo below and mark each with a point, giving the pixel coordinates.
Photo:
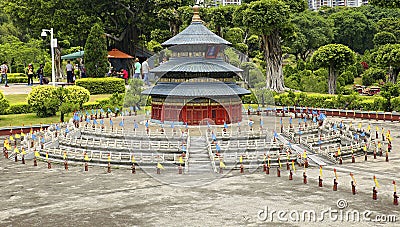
(389, 56)
(95, 57)
(312, 31)
(334, 57)
(353, 29)
(383, 38)
(271, 20)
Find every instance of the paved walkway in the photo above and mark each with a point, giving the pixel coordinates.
(16, 89)
(25, 89)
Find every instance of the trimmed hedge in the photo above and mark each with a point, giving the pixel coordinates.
(354, 101)
(14, 80)
(107, 85)
(249, 99)
(395, 104)
(115, 100)
(4, 103)
(91, 105)
(19, 108)
(13, 75)
(78, 95)
(44, 100)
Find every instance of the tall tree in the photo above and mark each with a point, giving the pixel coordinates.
(353, 29)
(270, 19)
(95, 57)
(389, 56)
(334, 57)
(168, 10)
(312, 31)
(124, 21)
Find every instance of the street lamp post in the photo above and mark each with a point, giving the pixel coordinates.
(53, 44)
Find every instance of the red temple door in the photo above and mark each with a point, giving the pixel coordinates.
(182, 115)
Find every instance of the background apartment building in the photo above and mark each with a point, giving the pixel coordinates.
(316, 4)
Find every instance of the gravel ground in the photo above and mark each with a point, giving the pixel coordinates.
(37, 196)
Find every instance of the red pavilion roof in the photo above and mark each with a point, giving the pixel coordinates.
(115, 53)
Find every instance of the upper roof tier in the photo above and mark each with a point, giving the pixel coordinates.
(195, 33)
(195, 65)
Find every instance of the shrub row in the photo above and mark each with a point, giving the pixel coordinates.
(13, 80)
(354, 101)
(116, 100)
(4, 103)
(16, 78)
(107, 85)
(112, 102)
(19, 108)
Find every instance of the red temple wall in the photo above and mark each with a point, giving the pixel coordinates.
(193, 114)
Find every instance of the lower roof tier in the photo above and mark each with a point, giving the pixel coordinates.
(196, 89)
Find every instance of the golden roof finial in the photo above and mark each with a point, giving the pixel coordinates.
(196, 16)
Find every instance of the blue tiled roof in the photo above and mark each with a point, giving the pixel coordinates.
(196, 89)
(195, 33)
(195, 65)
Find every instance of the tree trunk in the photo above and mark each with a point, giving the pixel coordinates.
(173, 28)
(394, 72)
(127, 42)
(57, 65)
(273, 59)
(62, 118)
(332, 80)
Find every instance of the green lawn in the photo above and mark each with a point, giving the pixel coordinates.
(31, 118)
(16, 98)
(358, 80)
(96, 97)
(27, 119)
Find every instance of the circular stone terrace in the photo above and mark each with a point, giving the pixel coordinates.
(236, 159)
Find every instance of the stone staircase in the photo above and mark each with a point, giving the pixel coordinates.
(199, 160)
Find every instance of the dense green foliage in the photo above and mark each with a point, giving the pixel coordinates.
(334, 57)
(388, 56)
(43, 100)
(102, 85)
(271, 32)
(78, 95)
(4, 104)
(19, 108)
(353, 29)
(133, 95)
(96, 60)
(116, 100)
(373, 75)
(47, 100)
(386, 3)
(312, 31)
(348, 102)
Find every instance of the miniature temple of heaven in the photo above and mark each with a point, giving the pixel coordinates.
(196, 85)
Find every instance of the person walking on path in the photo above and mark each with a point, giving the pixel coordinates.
(69, 68)
(40, 74)
(138, 68)
(30, 73)
(145, 72)
(3, 72)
